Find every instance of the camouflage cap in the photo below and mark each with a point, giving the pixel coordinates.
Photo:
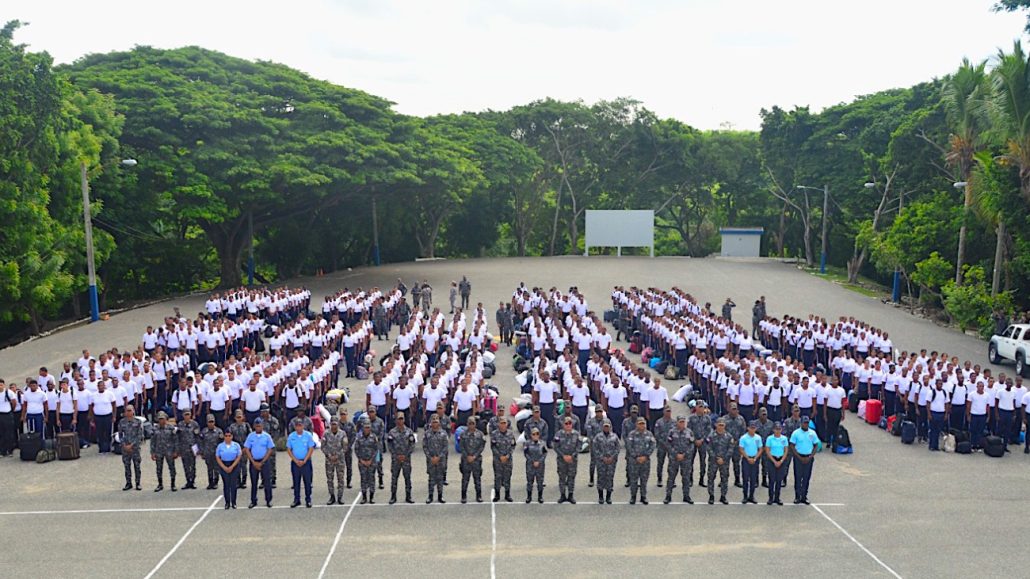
(598, 409)
(210, 417)
(606, 422)
(681, 418)
(641, 420)
(568, 420)
(535, 431)
(161, 415)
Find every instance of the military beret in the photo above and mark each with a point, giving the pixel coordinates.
(258, 421)
(641, 420)
(161, 415)
(210, 417)
(265, 407)
(753, 424)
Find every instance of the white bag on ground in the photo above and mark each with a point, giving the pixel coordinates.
(682, 393)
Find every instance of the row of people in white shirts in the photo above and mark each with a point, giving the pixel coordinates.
(816, 333)
(581, 332)
(359, 302)
(525, 301)
(677, 320)
(428, 329)
(404, 385)
(253, 301)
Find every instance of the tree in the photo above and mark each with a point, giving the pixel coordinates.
(1013, 6)
(964, 97)
(228, 141)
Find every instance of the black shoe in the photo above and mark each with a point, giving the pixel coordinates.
(804, 501)
(297, 504)
(252, 505)
(591, 483)
(242, 486)
(445, 483)
(778, 502)
(173, 488)
(127, 486)
(797, 501)
(562, 499)
(407, 499)
(688, 500)
(540, 498)
(464, 499)
(479, 497)
(608, 497)
(429, 500)
(139, 487)
(600, 497)
(268, 504)
(702, 484)
(723, 500)
(633, 500)
(667, 500)
(332, 500)
(439, 498)
(507, 496)
(227, 506)
(348, 486)
(711, 500)
(381, 485)
(308, 504)
(160, 487)
(659, 482)
(769, 502)
(738, 485)
(371, 497)
(497, 496)
(571, 500)
(643, 500)
(393, 499)
(626, 485)
(529, 498)
(743, 501)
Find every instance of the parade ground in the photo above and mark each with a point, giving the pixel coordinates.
(888, 510)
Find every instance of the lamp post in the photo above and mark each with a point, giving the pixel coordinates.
(94, 299)
(826, 211)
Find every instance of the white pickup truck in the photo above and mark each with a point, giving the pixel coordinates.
(1012, 344)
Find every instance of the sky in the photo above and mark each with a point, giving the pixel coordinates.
(710, 63)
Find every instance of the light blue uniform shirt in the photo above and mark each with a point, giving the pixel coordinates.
(299, 444)
(228, 452)
(804, 441)
(777, 445)
(751, 443)
(259, 444)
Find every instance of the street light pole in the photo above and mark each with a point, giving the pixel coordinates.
(94, 300)
(826, 211)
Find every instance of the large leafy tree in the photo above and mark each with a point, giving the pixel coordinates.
(225, 142)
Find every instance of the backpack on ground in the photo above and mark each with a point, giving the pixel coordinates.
(843, 438)
(994, 446)
(908, 432)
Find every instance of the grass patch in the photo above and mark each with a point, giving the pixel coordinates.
(839, 276)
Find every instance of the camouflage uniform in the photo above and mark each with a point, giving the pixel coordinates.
(765, 430)
(130, 431)
(560, 419)
(629, 424)
(593, 428)
(162, 446)
(662, 427)
(348, 452)
(189, 434)
(639, 444)
(240, 431)
(401, 441)
(379, 322)
(539, 424)
(701, 426)
(306, 421)
(210, 438)
(680, 442)
(535, 451)
(434, 444)
(427, 298)
(472, 444)
(567, 444)
(736, 427)
(274, 430)
(720, 446)
(602, 447)
(366, 447)
(502, 444)
(333, 447)
(379, 429)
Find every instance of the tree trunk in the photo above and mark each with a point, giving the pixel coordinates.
(781, 237)
(999, 258)
(557, 212)
(230, 258)
(961, 257)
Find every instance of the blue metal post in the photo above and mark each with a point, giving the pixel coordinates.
(896, 293)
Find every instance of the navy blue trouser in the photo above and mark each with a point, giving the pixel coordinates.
(300, 473)
(266, 477)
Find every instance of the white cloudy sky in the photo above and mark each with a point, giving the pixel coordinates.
(705, 62)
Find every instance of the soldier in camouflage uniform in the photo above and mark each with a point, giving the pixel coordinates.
(274, 429)
(640, 445)
(427, 296)
(333, 444)
(537, 422)
(348, 454)
(662, 427)
(789, 426)
(502, 447)
(629, 424)
(535, 451)
(736, 426)
(472, 444)
(604, 450)
(188, 435)
(240, 430)
(379, 322)
(494, 421)
(594, 426)
(378, 429)
(434, 444)
(210, 437)
(701, 425)
(567, 413)
(163, 449)
(680, 442)
(721, 449)
(366, 447)
(765, 428)
(566, 448)
(130, 432)
(401, 441)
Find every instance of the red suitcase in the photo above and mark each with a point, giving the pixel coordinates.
(873, 411)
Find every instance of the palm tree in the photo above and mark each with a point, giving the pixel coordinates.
(963, 97)
(1011, 105)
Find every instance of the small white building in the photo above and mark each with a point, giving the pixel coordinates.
(741, 241)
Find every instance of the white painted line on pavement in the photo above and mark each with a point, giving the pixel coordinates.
(493, 546)
(183, 539)
(339, 533)
(855, 541)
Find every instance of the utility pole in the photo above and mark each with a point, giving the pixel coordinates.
(826, 212)
(94, 300)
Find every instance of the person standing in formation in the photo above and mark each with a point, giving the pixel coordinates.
(604, 449)
(502, 448)
(334, 445)
(535, 452)
(401, 442)
(566, 448)
(130, 433)
(640, 445)
(472, 444)
(681, 448)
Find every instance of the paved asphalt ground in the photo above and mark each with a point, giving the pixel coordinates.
(888, 510)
